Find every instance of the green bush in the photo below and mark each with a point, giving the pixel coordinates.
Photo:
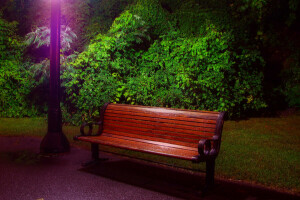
(188, 54)
(154, 15)
(192, 18)
(290, 87)
(100, 73)
(200, 73)
(132, 65)
(14, 81)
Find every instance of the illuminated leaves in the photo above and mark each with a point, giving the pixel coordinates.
(41, 37)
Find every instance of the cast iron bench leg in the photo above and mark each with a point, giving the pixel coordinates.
(210, 173)
(95, 156)
(95, 151)
(209, 178)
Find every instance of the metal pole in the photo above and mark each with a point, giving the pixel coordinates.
(54, 141)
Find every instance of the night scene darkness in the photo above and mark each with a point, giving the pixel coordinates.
(149, 99)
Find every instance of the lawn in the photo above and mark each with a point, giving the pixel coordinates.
(264, 151)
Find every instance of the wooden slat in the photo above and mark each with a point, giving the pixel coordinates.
(194, 127)
(118, 126)
(152, 133)
(139, 107)
(122, 126)
(160, 116)
(147, 146)
(203, 123)
(159, 124)
(199, 131)
(164, 113)
(150, 137)
(165, 144)
(155, 137)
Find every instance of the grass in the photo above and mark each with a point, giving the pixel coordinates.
(263, 151)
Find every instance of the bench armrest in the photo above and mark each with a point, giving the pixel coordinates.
(208, 148)
(89, 133)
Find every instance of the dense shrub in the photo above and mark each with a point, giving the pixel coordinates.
(190, 54)
(290, 87)
(154, 15)
(100, 73)
(200, 73)
(15, 85)
(131, 65)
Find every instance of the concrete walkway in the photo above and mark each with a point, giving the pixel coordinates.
(24, 174)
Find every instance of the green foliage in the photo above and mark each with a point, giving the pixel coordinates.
(9, 41)
(294, 6)
(15, 86)
(192, 18)
(290, 87)
(190, 54)
(41, 37)
(103, 14)
(99, 74)
(131, 65)
(77, 14)
(39, 68)
(129, 31)
(154, 15)
(200, 73)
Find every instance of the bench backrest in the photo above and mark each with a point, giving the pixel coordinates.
(176, 126)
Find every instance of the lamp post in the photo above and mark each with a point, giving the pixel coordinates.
(54, 141)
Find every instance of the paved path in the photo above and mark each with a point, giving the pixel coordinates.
(26, 175)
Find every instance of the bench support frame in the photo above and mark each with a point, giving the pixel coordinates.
(95, 156)
(210, 173)
(95, 151)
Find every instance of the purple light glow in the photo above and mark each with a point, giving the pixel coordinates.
(55, 141)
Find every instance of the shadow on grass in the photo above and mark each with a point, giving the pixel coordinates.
(179, 183)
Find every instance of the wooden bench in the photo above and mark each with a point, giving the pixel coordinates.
(184, 134)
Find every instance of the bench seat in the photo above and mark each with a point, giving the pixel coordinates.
(142, 145)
